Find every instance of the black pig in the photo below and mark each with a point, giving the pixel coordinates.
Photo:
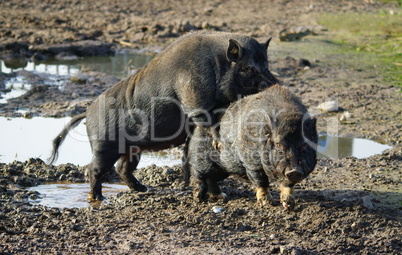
(264, 136)
(151, 110)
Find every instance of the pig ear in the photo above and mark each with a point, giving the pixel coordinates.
(235, 51)
(267, 43)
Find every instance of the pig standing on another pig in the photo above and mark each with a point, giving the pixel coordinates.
(264, 136)
(155, 108)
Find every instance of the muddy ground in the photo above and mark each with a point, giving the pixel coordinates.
(346, 206)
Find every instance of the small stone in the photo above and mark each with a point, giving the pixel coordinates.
(79, 77)
(205, 25)
(290, 249)
(329, 106)
(303, 63)
(186, 27)
(76, 227)
(27, 115)
(371, 176)
(345, 116)
(367, 203)
(217, 209)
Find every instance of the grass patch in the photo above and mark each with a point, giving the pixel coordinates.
(378, 33)
(399, 2)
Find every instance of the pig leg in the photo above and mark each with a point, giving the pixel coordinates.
(209, 186)
(96, 169)
(125, 167)
(286, 196)
(260, 180)
(214, 190)
(264, 196)
(201, 192)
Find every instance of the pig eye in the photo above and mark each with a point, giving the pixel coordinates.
(304, 147)
(281, 152)
(279, 149)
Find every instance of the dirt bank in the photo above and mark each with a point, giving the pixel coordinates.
(346, 206)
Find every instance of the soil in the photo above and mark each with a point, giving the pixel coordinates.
(346, 206)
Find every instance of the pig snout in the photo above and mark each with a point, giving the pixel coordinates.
(294, 175)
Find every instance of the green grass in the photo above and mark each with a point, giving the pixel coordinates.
(378, 33)
(399, 2)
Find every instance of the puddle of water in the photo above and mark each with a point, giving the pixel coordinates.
(71, 195)
(22, 139)
(120, 65)
(16, 86)
(339, 147)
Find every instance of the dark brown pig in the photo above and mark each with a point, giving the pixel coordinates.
(266, 136)
(155, 108)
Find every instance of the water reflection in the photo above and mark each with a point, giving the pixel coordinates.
(339, 147)
(71, 195)
(121, 65)
(16, 86)
(22, 139)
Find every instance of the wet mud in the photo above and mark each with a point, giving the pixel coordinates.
(346, 206)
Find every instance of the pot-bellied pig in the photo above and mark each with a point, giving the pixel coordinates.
(155, 108)
(264, 136)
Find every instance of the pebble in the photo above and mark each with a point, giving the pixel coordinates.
(217, 209)
(27, 115)
(345, 116)
(367, 203)
(329, 106)
(290, 249)
(79, 77)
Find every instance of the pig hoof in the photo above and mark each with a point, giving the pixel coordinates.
(289, 205)
(200, 196)
(222, 196)
(93, 198)
(140, 188)
(263, 201)
(264, 197)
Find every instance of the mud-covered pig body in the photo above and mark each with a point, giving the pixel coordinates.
(266, 136)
